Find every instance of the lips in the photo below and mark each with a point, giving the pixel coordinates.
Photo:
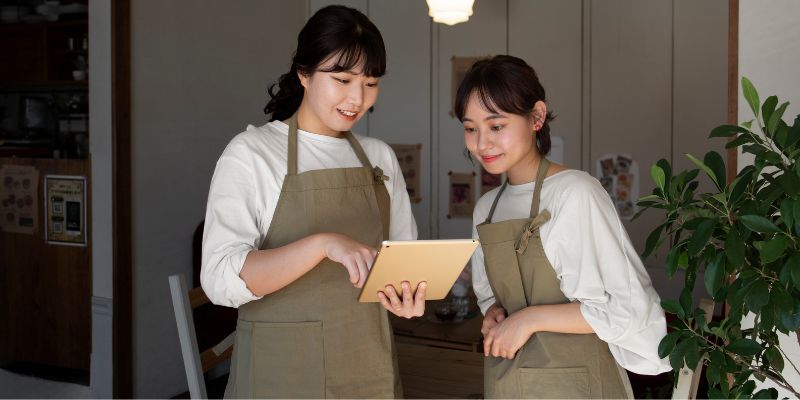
(488, 159)
(347, 115)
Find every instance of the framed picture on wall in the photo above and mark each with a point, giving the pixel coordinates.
(65, 210)
(460, 67)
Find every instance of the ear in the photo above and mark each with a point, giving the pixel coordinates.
(303, 79)
(538, 115)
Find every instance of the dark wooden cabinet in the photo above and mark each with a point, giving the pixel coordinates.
(43, 53)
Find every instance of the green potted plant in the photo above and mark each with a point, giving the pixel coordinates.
(745, 236)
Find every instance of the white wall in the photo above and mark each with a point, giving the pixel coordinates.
(101, 360)
(769, 55)
(200, 72)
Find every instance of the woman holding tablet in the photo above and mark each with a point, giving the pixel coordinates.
(295, 212)
(566, 299)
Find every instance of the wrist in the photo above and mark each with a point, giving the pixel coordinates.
(321, 242)
(531, 319)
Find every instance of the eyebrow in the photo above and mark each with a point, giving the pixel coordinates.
(489, 118)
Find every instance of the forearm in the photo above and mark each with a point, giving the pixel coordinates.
(559, 318)
(267, 271)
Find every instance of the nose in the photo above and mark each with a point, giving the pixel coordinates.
(484, 141)
(356, 95)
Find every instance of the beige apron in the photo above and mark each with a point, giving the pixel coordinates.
(549, 365)
(312, 339)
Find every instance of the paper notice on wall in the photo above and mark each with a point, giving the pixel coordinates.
(462, 197)
(19, 203)
(65, 216)
(619, 175)
(408, 156)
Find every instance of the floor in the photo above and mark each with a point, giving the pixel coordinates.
(16, 385)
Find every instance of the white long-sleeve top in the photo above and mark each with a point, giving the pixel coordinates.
(594, 261)
(245, 189)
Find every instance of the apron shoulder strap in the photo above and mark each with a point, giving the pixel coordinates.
(544, 165)
(291, 167)
(494, 203)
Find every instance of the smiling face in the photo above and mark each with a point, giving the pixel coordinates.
(502, 142)
(334, 101)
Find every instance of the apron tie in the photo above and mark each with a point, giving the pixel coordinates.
(377, 172)
(533, 226)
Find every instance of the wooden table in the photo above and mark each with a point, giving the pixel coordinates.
(440, 360)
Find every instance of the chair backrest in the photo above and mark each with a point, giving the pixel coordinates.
(184, 301)
(688, 380)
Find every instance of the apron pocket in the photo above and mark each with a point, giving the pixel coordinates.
(554, 383)
(288, 360)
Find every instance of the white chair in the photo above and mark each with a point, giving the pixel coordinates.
(688, 380)
(184, 301)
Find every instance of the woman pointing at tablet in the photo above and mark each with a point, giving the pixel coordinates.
(295, 211)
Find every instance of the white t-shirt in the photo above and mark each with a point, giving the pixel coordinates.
(247, 184)
(594, 261)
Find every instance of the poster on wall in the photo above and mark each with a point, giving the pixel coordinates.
(460, 66)
(65, 209)
(18, 194)
(408, 156)
(489, 181)
(619, 175)
(462, 198)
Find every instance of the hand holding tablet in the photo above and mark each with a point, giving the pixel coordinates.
(436, 262)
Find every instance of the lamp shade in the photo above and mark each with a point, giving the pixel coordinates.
(450, 12)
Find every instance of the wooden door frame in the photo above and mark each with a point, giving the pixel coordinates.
(121, 200)
(733, 81)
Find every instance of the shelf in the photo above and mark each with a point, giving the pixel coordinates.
(71, 52)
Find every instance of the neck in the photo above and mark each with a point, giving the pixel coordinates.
(309, 121)
(525, 170)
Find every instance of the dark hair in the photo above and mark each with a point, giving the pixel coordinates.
(507, 83)
(333, 31)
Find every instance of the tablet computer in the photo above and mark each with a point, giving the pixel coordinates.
(437, 262)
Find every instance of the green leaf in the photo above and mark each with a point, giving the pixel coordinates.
(701, 236)
(757, 223)
(782, 299)
(704, 167)
(773, 249)
(672, 307)
(658, 176)
(768, 393)
(772, 122)
(775, 358)
(727, 131)
(787, 212)
(740, 140)
(744, 347)
(794, 266)
(652, 240)
(768, 107)
(714, 276)
(714, 393)
(676, 357)
(692, 354)
(714, 161)
(758, 296)
(667, 344)
(790, 183)
(751, 95)
(734, 248)
(683, 259)
(741, 182)
(672, 261)
(664, 164)
(686, 300)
